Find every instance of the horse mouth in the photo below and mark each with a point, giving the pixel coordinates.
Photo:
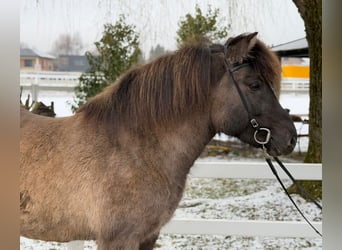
(273, 149)
(282, 145)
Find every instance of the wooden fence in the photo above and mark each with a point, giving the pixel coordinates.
(242, 170)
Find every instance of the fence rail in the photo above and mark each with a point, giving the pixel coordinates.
(50, 79)
(242, 228)
(242, 170)
(295, 84)
(254, 170)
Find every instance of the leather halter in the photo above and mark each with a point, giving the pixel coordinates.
(253, 121)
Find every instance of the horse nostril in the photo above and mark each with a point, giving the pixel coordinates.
(291, 144)
(293, 141)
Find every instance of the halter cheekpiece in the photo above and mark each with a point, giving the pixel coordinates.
(252, 121)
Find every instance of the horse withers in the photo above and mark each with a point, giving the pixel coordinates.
(115, 171)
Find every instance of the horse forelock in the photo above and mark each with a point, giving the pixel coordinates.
(267, 65)
(158, 93)
(264, 61)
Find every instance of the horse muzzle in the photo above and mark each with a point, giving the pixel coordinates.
(283, 146)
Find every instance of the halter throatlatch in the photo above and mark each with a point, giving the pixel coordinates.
(262, 136)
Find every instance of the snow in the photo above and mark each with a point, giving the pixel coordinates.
(249, 199)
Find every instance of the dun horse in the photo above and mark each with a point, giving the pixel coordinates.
(115, 171)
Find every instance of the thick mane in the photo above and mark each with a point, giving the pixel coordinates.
(170, 88)
(267, 65)
(156, 93)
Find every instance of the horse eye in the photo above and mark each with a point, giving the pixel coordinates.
(254, 86)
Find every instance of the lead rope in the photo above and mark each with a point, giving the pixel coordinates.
(274, 171)
(268, 158)
(304, 192)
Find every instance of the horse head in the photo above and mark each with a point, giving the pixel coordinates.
(247, 88)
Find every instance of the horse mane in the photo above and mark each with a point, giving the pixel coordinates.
(267, 64)
(170, 87)
(159, 92)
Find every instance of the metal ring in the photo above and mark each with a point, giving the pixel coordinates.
(268, 136)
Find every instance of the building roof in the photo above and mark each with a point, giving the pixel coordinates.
(26, 52)
(295, 48)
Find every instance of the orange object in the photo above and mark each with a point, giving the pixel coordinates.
(296, 71)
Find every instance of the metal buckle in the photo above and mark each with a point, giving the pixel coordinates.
(267, 137)
(254, 123)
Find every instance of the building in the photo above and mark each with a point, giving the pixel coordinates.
(294, 58)
(295, 48)
(295, 63)
(71, 63)
(34, 60)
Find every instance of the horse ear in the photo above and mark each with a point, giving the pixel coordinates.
(239, 47)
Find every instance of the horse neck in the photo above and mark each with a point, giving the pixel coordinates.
(187, 140)
(174, 149)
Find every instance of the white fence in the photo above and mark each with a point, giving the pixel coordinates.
(50, 79)
(295, 84)
(37, 83)
(242, 170)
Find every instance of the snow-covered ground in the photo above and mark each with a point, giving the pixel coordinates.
(226, 199)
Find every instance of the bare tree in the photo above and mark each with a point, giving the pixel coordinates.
(67, 44)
